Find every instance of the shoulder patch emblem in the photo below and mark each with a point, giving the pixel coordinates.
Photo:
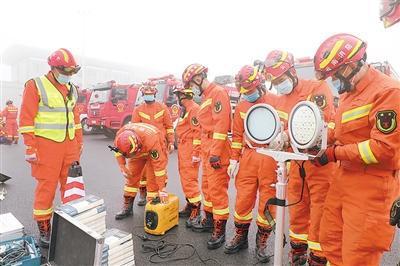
(319, 100)
(386, 121)
(154, 154)
(194, 121)
(218, 107)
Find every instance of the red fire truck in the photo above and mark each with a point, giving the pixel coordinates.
(82, 105)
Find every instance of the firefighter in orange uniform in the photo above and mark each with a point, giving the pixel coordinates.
(215, 120)
(355, 227)
(50, 125)
(188, 136)
(144, 146)
(257, 171)
(304, 216)
(10, 113)
(156, 114)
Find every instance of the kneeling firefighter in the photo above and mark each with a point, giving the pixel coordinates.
(143, 145)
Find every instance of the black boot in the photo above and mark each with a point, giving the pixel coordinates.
(314, 260)
(127, 209)
(206, 225)
(298, 254)
(142, 196)
(218, 236)
(185, 213)
(195, 216)
(44, 233)
(261, 244)
(239, 241)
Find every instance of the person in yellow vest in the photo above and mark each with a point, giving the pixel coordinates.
(50, 126)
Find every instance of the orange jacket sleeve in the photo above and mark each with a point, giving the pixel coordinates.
(237, 132)
(158, 159)
(168, 125)
(135, 115)
(195, 131)
(384, 143)
(29, 109)
(221, 114)
(78, 125)
(4, 113)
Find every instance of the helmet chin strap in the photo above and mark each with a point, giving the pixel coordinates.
(346, 85)
(294, 79)
(203, 76)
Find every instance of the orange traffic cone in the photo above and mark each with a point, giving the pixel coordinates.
(75, 187)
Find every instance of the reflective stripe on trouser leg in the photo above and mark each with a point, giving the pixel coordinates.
(219, 192)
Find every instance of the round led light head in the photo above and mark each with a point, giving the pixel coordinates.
(261, 123)
(306, 125)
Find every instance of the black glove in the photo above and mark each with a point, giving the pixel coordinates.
(395, 213)
(215, 162)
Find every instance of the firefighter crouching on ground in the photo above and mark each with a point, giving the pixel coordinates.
(144, 146)
(10, 114)
(188, 136)
(257, 172)
(306, 215)
(215, 120)
(50, 125)
(355, 227)
(156, 114)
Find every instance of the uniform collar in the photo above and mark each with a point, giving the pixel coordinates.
(188, 103)
(369, 76)
(209, 89)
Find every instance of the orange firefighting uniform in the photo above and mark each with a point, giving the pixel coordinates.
(355, 226)
(156, 114)
(306, 215)
(152, 154)
(54, 158)
(10, 113)
(215, 120)
(188, 134)
(256, 171)
(3, 134)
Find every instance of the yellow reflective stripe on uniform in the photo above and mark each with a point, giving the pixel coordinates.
(282, 114)
(130, 189)
(303, 237)
(152, 194)
(160, 173)
(242, 115)
(247, 217)
(196, 142)
(366, 153)
(221, 212)
(118, 154)
(145, 116)
(42, 212)
(78, 126)
(219, 136)
(205, 104)
(207, 204)
(195, 199)
(331, 55)
(159, 114)
(314, 245)
(331, 125)
(142, 182)
(356, 113)
(236, 145)
(170, 130)
(26, 129)
(263, 221)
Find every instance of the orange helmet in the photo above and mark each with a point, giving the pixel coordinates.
(63, 60)
(127, 142)
(191, 71)
(278, 63)
(248, 79)
(148, 87)
(336, 51)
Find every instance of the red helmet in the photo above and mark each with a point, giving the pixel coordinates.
(63, 60)
(336, 51)
(248, 79)
(191, 71)
(127, 142)
(278, 63)
(148, 87)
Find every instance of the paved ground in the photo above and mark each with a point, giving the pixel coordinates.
(102, 178)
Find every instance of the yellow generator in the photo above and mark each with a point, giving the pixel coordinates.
(159, 217)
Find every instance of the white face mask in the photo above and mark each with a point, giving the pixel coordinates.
(63, 79)
(196, 90)
(285, 87)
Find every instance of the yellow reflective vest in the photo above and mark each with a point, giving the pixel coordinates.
(55, 116)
